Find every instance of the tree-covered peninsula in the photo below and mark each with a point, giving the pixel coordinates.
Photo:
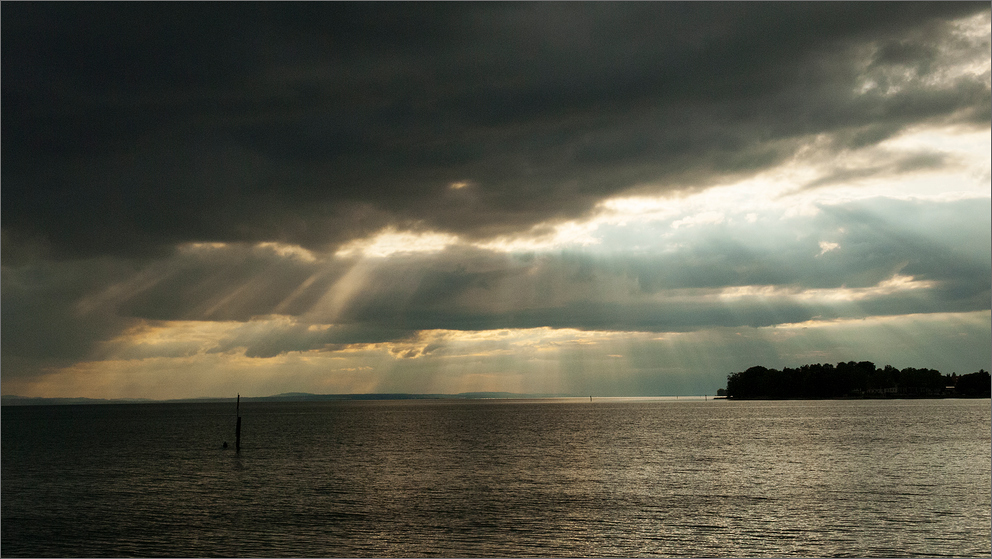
(854, 380)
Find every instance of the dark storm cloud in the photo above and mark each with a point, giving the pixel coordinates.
(904, 165)
(129, 128)
(263, 339)
(235, 282)
(49, 316)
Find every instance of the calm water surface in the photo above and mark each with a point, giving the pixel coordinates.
(499, 478)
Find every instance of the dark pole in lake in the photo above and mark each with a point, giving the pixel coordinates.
(237, 430)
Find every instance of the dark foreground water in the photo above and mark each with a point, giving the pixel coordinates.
(507, 478)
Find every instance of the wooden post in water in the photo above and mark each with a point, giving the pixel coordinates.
(237, 429)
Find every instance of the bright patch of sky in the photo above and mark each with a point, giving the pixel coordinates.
(390, 241)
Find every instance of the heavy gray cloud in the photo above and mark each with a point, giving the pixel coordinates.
(131, 128)
(903, 165)
(48, 316)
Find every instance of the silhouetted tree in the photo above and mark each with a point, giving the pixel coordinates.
(975, 384)
(850, 379)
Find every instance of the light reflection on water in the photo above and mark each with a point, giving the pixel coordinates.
(512, 478)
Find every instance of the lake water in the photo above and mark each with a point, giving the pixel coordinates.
(499, 478)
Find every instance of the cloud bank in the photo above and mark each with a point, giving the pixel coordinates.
(130, 129)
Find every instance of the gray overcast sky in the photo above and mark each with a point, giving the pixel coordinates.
(632, 198)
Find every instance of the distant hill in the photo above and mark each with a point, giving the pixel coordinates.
(306, 396)
(29, 401)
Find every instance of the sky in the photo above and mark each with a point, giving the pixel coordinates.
(614, 199)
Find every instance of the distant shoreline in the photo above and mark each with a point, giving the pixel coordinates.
(286, 397)
(19, 401)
